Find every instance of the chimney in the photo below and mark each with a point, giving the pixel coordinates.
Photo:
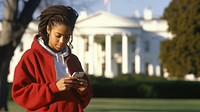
(137, 14)
(83, 14)
(148, 14)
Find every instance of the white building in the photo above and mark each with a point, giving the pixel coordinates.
(109, 45)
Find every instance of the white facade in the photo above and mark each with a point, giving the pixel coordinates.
(109, 45)
(115, 45)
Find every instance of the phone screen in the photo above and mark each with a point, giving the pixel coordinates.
(78, 74)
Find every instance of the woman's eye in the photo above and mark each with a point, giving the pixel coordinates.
(58, 36)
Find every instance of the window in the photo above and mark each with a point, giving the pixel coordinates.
(146, 46)
(87, 45)
(119, 47)
(103, 45)
(103, 69)
(133, 46)
(119, 68)
(147, 68)
(133, 68)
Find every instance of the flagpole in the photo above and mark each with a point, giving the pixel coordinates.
(109, 6)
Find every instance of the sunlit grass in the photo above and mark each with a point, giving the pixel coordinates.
(143, 105)
(134, 105)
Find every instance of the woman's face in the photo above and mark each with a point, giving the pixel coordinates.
(59, 36)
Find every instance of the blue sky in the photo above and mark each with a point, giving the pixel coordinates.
(128, 7)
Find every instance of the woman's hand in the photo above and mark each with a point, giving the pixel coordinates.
(83, 84)
(72, 82)
(65, 83)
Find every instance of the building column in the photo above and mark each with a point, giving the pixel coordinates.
(150, 70)
(157, 70)
(138, 56)
(79, 48)
(125, 62)
(91, 55)
(108, 57)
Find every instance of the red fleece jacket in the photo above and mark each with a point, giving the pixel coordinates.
(34, 86)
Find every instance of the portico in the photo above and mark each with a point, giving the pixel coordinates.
(109, 44)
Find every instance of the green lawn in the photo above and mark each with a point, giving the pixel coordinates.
(134, 105)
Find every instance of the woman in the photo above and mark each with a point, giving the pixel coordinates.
(42, 78)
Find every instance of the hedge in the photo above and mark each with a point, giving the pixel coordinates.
(141, 86)
(144, 87)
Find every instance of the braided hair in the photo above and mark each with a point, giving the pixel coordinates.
(56, 14)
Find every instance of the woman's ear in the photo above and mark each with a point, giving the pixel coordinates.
(48, 30)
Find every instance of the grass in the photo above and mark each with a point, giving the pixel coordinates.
(13, 107)
(134, 105)
(143, 105)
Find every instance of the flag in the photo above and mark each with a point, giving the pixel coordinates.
(106, 2)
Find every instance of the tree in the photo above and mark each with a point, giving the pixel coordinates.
(181, 55)
(13, 26)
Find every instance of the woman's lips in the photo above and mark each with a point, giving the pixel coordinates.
(59, 46)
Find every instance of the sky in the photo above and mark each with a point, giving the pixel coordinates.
(127, 8)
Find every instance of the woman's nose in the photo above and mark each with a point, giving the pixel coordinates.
(61, 40)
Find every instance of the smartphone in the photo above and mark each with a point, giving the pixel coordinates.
(78, 74)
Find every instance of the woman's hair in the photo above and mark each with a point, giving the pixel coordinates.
(56, 14)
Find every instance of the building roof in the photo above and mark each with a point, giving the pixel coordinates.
(106, 20)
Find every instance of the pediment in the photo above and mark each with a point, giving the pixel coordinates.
(106, 20)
